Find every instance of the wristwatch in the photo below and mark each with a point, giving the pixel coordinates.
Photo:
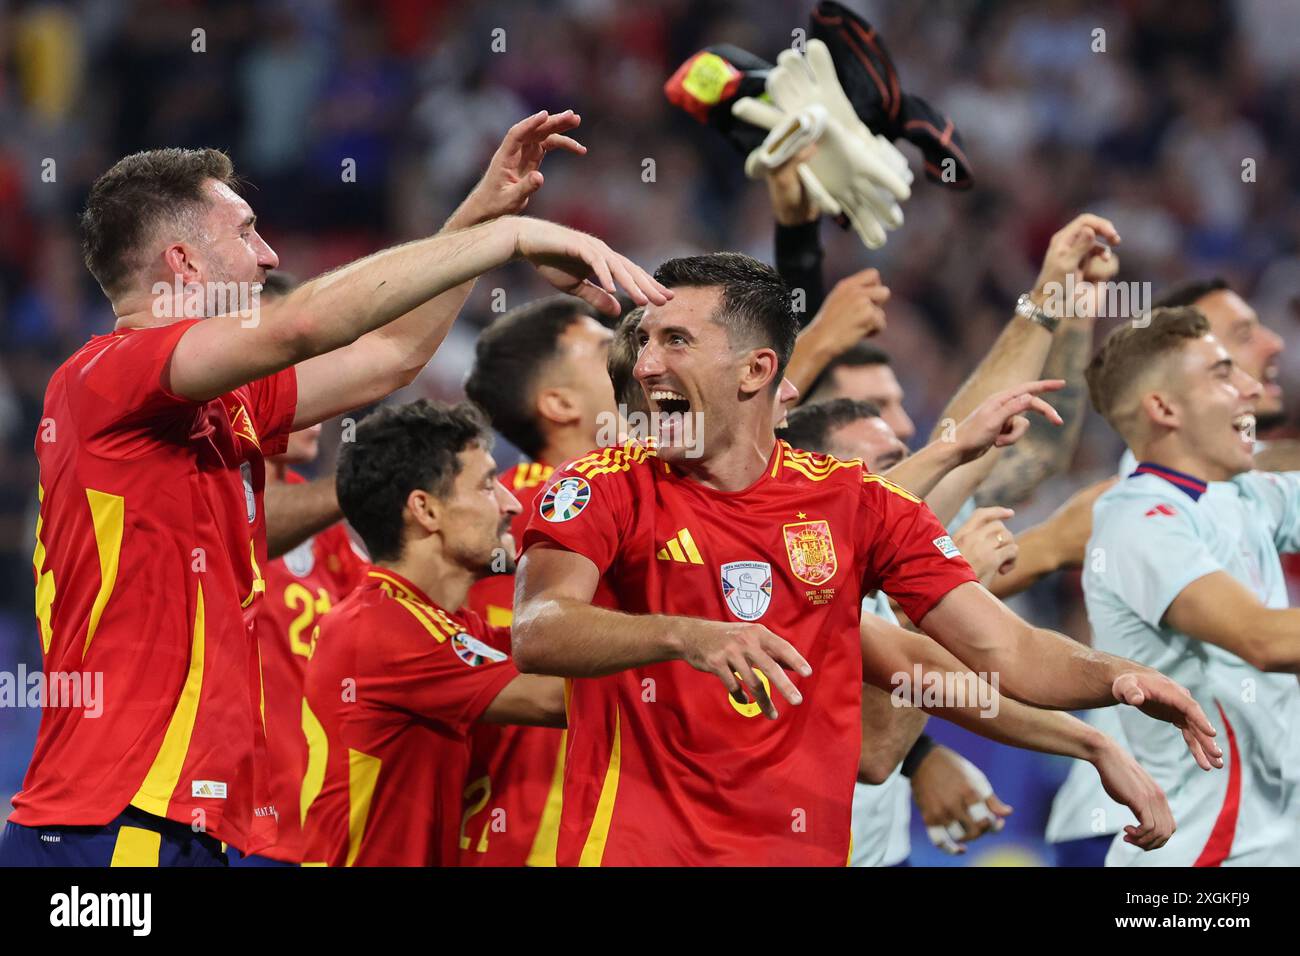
(1026, 309)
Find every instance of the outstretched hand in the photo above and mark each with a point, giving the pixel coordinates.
(514, 173)
(1000, 421)
(1159, 697)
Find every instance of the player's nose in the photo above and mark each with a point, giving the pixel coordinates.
(506, 501)
(648, 363)
(266, 257)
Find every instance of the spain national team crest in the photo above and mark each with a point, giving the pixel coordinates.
(747, 588)
(565, 499)
(474, 652)
(811, 550)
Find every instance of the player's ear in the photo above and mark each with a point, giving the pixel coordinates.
(557, 405)
(1159, 409)
(758, 372)
(424, 511)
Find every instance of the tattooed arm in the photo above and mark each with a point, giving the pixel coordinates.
(1026, 350)
(1046, 449)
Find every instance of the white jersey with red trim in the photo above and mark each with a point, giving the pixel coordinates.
(1154, 534)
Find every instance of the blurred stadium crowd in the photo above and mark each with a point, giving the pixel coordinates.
(1150, 134)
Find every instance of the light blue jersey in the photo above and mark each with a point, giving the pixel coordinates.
(1154, 534)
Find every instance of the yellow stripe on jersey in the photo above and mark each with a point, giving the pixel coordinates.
(499, 616)
(781, 447)
(548, 829)
(259, 582)
(688, 543)
(106, 514)
(155, 792)
(420, 612)
(136, 846)
(593, 851)
(44, 580)
(610, 460)
(395, 586)
(318, 751)
(890, 486)
(363, 774)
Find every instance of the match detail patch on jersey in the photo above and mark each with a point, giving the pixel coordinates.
(946, 546)
(474, 652)
(811, 550)
(565, 499)
(747, 588)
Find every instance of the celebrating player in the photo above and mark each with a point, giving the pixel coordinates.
(539, 373)
(1189, 580)
(151, 535)
(663, 765)
(397, 676)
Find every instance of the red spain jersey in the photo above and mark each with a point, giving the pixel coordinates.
(149, 547)
(300, 587)
(663, 766)
(515, 775)
(393, 686)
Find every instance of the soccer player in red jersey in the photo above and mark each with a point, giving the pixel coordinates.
(539, 374)
(397, 676)
(152, 449)
(663, 765)
(300, 587)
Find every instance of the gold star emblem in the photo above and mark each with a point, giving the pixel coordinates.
(800, 515)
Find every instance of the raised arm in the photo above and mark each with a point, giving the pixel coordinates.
(1047, 669)
(556, 630)
(999, 421)
(1022, 350)
(392, 355)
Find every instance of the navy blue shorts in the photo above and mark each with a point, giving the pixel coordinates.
(135, 838)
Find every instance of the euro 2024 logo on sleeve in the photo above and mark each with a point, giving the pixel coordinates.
(565, 499)
(747, 588)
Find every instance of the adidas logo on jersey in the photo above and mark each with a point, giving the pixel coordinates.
(1160, 510)
(681, 548)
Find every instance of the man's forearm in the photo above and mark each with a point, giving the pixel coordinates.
(1017, 356)
(891, 656)
(920, 473)
(341, 306)
(1046, 669)
(1046, 449)
(296, 512)
(888, 733)
(570, 638)
(809, 358)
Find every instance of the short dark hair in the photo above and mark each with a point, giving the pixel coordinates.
(509, 356)
(623, 350)
(856, 356)
(139, 193)
(810, 426)
(756, 304)
(1189, 293)
(1132, 348)
(397, 449)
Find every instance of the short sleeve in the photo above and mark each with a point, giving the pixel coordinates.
(907, 552)
(421, 666)
(584, 510)
(1279, 495)
(273, 403)
(125, 381)
(1146, 551)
